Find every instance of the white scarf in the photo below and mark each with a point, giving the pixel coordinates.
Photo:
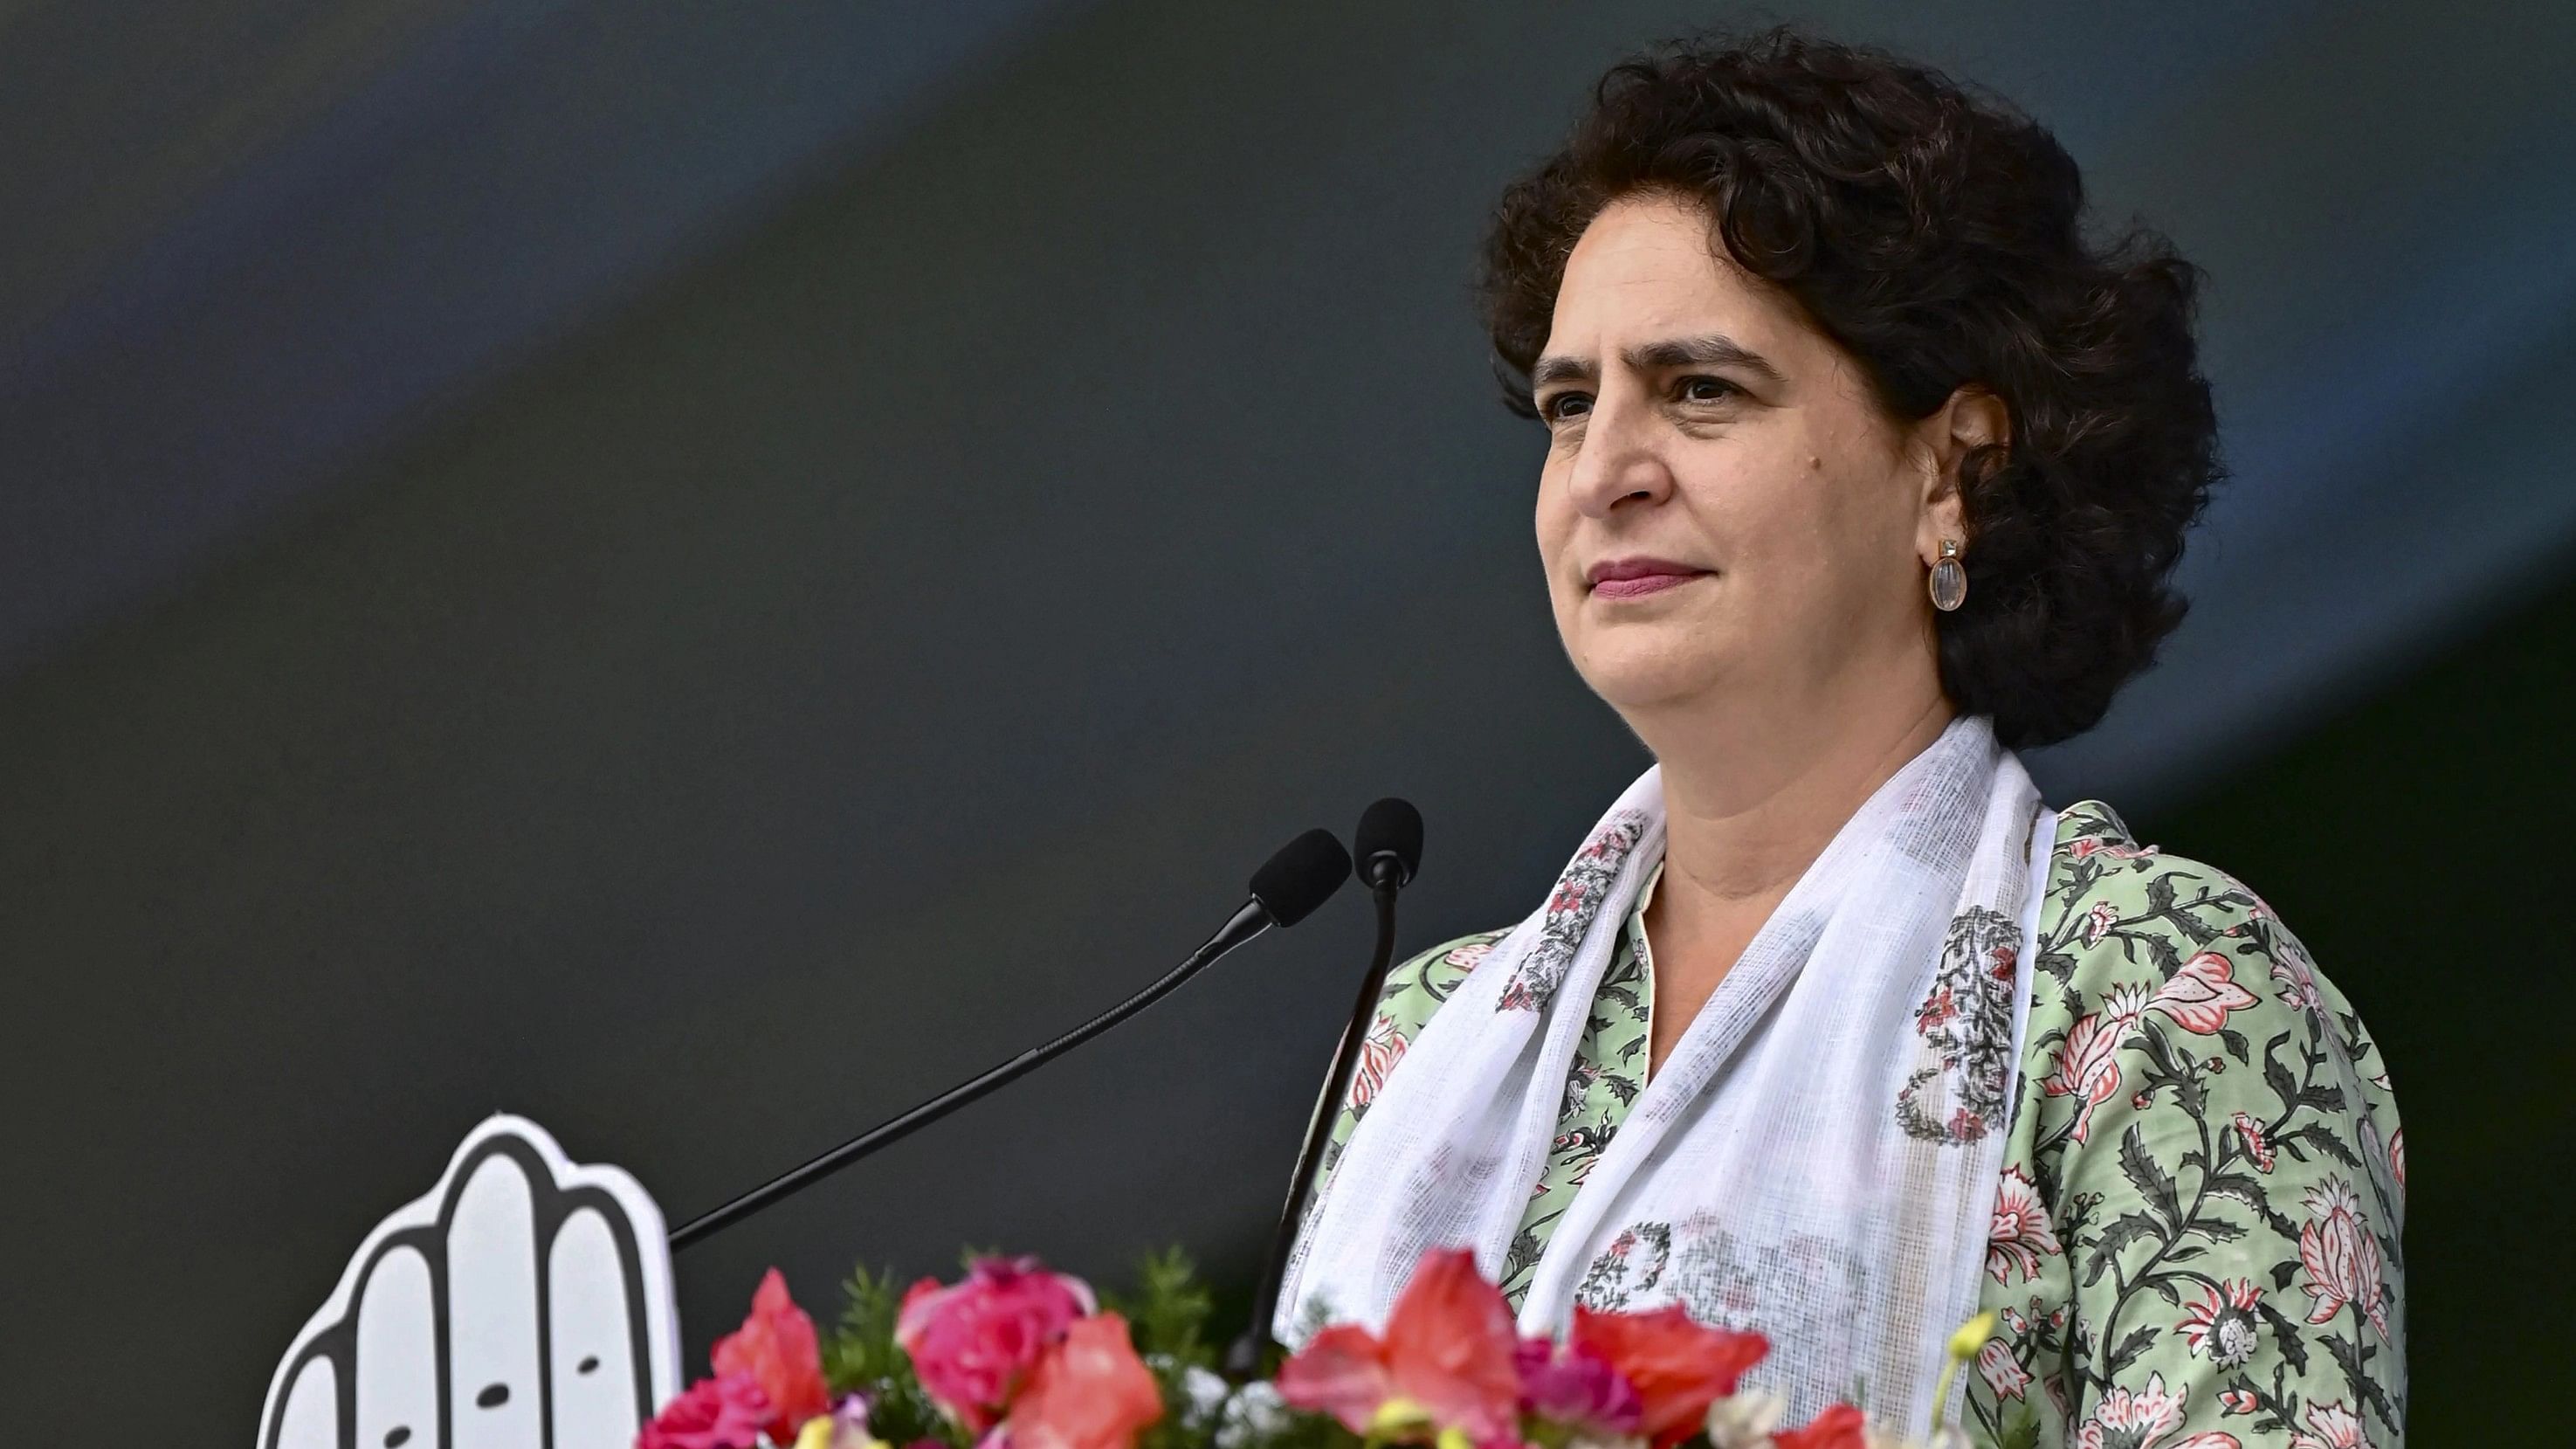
(1817, 1160)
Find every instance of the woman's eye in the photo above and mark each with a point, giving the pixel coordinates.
(1705, 389)
(1564, 405)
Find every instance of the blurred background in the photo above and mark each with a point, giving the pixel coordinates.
(701, 572)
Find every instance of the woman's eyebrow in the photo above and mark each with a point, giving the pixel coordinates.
(1714, 349)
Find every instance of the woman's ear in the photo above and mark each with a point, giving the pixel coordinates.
(1971, 418)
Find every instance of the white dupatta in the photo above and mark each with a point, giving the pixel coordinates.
(1817, 1160)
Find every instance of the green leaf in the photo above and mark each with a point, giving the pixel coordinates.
(2125, 1229)
(2318, 1136)
(2023, 1431)
(2151, 1181)
(2290, 1337)
(861, 1356)
(2347, 1356)
(1168, 1312)
(2138, 1341)
(2276, 1073)
(2216, 1229)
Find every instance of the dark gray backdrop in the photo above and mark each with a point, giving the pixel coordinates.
(715, 709)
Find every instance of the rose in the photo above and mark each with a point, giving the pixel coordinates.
(775, 1346)
(974, 1342)
(1088, 1391)
(1677, 1366)
(725, 1412)
(1579, 1390)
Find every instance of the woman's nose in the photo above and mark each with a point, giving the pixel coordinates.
(1618, 460)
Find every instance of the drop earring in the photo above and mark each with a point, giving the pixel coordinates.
(1949, 578)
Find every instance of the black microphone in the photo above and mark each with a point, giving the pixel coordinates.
(1389, 845)
(1303, 875)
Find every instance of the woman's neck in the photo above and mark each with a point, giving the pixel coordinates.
(1746, 812)
(1745, 816)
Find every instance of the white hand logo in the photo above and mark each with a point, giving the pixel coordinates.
(523, 1303)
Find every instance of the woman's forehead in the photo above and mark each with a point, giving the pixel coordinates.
(1647, 269)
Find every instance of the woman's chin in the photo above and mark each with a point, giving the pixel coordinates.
(1631, 679)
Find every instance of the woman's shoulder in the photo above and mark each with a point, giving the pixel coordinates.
(1417, 985)
(2156, 970)
(2125, 916)
(2204, 1116)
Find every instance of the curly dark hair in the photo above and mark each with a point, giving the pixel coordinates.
(1932, 232)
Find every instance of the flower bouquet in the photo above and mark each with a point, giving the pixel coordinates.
(1013, 1356)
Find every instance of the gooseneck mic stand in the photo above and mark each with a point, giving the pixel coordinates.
(1389, 842)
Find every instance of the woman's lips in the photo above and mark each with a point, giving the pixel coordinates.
(1642, 584)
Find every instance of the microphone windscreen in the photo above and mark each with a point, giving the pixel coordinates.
(1390, 827)
(1303, 875)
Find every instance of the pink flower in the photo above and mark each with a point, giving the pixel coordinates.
(972, 1343)
(2222, 1324)
(2019, 1235)
(2239, 1401)
(1448, 1354)
(2134, 1418)
(2296, 982)
(2258, 1143)
(2340, 1255)
(2083, 846)
(1468, 957)
(2088, 1062)
(2101, 918)
(725, 1412)
(2201, 994)
(1677, 1366)
(1380, 1050)
(1576, 1389)
(2330, 1426)
(850, 1425)
(776, 1347)
(1840, 1427)
(1088, 1391)
(2004, 1373)
(2397, 1155)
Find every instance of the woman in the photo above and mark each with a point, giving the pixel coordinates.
(1864, 470)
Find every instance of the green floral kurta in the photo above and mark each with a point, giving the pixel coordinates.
(2195, 1239)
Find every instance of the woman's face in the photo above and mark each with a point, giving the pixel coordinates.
(1706, 442)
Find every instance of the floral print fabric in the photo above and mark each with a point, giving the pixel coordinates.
(2195, 1241)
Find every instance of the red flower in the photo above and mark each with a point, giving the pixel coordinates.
(2003, 1371)
(726, 1412)
(2258, 1144)
(2340, 1256)
(2102, 917)
(1447, 1356)
(1840, 1427)
(2331, 1425)
(1089, 1391)
(1677, 1367)
(2088, 1063)
(2239, 1401)
(972, 1343)
(775, 1347)
(2201, 994)
(2223, 1323)
(2018, 1235)
(1380, 1050)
